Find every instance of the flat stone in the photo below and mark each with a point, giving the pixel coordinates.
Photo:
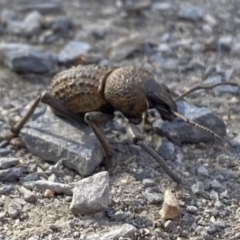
(121, 49)
(192, 209)
(180, 132)
(236, 49)
(125, 231)
(42, 185)
(198, 188)
(191, 13)
(166, 149)
(23, 58)
(12, 174)
(28, 195)
(7, 16)
(13, 209)
(170, 208)
(8, 162)
(225, 43)
(152, 196)
(44, 7)
(72, 51)
(52, 139)
(91, 195)
(202, 171)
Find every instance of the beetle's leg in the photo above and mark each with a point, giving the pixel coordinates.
(95, 120)
(19, 125)
(46, 98)
(138, 139)
(198, 87)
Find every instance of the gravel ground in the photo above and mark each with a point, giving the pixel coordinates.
(183, 44)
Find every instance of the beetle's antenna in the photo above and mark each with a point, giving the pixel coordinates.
(197, 125)
(198, 87)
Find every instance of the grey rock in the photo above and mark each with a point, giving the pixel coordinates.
(121, 49)
(191, 13)
(48, 37)
(73, 50)
(8, 162)
(180, 132)
(28, 27)
(7, 16)
(162, 6)
(44, 7)
(152, 196)
(225, 44)
(216, 185)
(166, 149)
(147, 182)
(140, 176)
(13, 209)
(121, 216)
(28, 195)
(32, 23)
(206, 236)
(6, 189)
(42, 185)
(225, 194)
(166, 64)
(53, 178)
(207, 29)
(165, 48)
(30, 177)
(197, 47)
(91, 195)
(192, 209)
(213, 195)
(126, 231)
(218, 204)
(62, 26)
(198, 188)
(22, 58)
(213, 80)
(12, 174)
(98, 33)
(235, 49)
(52, 139)
(202, 171)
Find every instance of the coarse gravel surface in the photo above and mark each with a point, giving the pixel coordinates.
(180, 53)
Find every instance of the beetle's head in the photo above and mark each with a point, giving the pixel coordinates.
(159, 97)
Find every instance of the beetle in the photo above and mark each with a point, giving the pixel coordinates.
(93, 93)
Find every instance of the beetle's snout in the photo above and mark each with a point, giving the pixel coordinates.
(164, 104)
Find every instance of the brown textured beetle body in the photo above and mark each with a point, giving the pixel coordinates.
(95, 92)
(129, 90)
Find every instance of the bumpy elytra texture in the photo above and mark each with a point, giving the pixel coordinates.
(130, 90)
(78, 88)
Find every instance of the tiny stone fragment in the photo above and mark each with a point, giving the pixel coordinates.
(192, 209)
(152, 196)
(91, 195)
(170, 208)
(48, 193)
(27, 195)
(202, 171)
(198, 188)
(71, 51)
(191, 13)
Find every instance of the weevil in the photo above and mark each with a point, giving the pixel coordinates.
(93, 93)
